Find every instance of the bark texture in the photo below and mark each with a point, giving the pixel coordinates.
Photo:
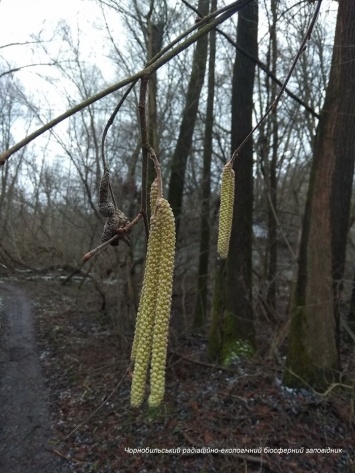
(313, 357)
(239, 263)
(183, 145)
(202, 278)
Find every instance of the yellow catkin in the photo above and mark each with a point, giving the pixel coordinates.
(226, 210)
(154, 256)
(163, 305)
(141, 350)
(153, 195)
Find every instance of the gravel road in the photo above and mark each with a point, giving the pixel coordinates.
(24, 420)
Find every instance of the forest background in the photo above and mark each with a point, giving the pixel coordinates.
(291, 253)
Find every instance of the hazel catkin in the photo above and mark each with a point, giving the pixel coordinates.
(163, 305)
(141, 349)
(226, 210)
(153, 257)
(151, 335)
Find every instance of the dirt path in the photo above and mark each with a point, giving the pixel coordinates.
(24, 419)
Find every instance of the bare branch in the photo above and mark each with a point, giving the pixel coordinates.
(108, 124)
(25, 43)
(145, 148)
(146, 72)
(17, 69)
(274, 104)
(259, 63)
(120, 235)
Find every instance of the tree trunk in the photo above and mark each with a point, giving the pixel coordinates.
(184, 142)
(272, 181)
(239, 264)
(351, 314)
(313, 357)
(236, 329)
(202, 278)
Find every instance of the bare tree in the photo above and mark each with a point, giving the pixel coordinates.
(202, 277)
(232, 313)
(313, 357)
(183, 145)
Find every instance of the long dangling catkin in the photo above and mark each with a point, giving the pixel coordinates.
(151, 335)
(163, 305)
(142, 344)
(153, 278)
(226, 210)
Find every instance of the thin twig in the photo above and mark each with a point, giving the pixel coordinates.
(346, 327)
(120, 232)
(203, 363)
(108, 124)
(125, 229)
(103, 403)
(317, 393)
(24, 43)
(145, 148)
(260, 64)
(61, 455)
(274, 104)
(277, 220)
(205, 19)
(154, 158)
(17, 69)
(93, 252)
(146, 72)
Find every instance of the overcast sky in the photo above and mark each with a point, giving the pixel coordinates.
(19, 19)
